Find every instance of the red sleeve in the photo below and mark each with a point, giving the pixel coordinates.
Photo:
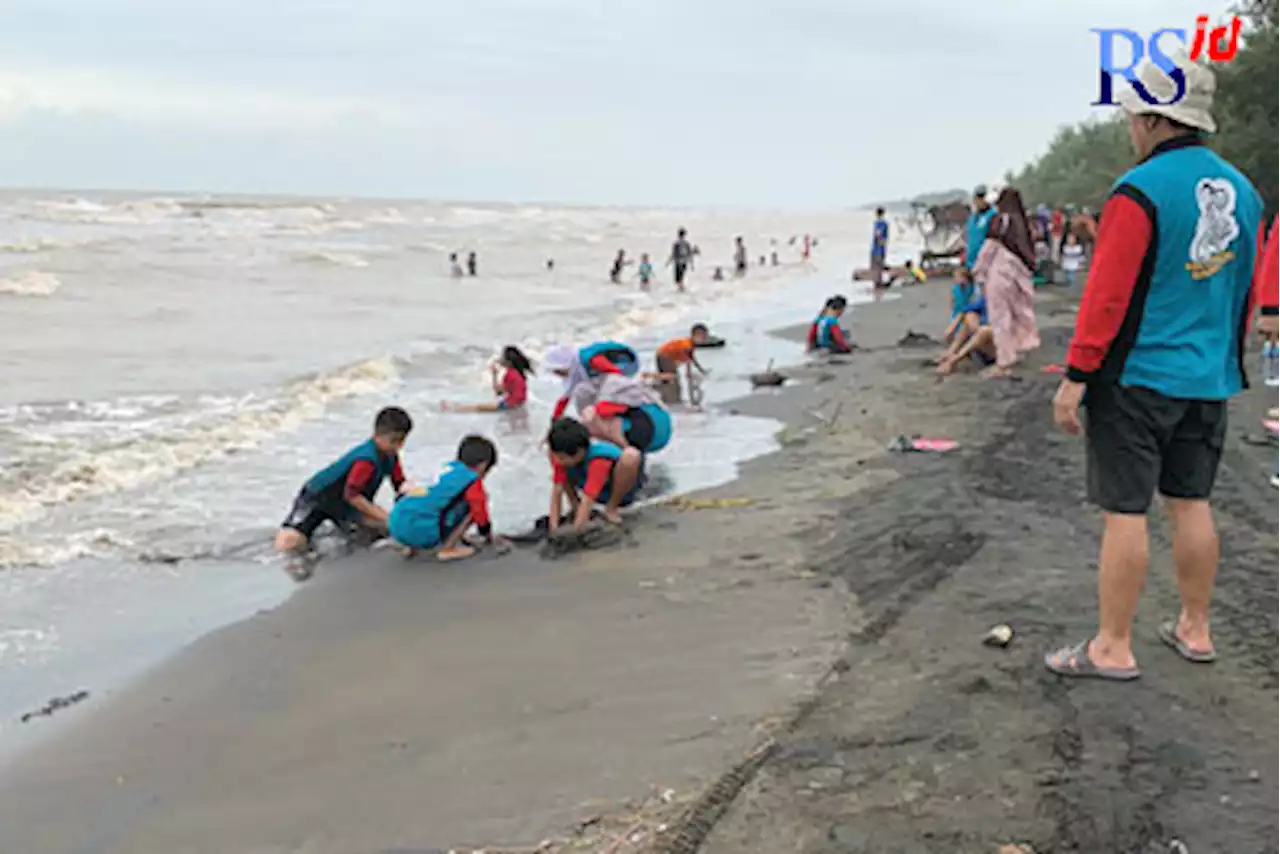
(1266, 278)
(357, 479)
(837, 337)
(561, 405)
(397, 475)
(478, 504)
(812, 340)
(598, 473)
(603, 365)
(611, 410)
(1118, 253)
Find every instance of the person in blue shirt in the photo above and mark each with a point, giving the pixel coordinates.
(1156, 355)
(879, 243)
(975, 227)
(438, 516)
(343, 492)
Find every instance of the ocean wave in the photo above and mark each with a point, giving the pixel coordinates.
(99, 542)
(30, 283)
(37, 244)
(81, 467)
(340, 259)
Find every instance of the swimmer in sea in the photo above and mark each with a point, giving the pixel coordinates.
(619, 262)
(472, 262)
(739, 257)
(681, 258)
(645, 272)
(455, 269)
(511, 387)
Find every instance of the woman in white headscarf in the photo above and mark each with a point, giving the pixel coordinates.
(612, 406)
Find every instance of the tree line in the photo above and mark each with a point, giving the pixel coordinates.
(1083, 160)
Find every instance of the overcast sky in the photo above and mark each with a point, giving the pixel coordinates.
(755, 102)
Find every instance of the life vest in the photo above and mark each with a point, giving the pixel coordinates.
(627, 360)
(822, 331)
(326, 486)
(577, 475)
(1191, 300)
(427, 516)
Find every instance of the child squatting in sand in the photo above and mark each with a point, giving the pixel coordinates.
(588, 471)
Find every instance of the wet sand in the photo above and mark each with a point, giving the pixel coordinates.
(829, 631)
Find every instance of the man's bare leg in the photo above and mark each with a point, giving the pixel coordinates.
(1195, 559)
(1122, 572)
(625, 472)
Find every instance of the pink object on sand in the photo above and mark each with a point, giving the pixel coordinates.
(1053, 369)
(1272, 426)
(934, 444)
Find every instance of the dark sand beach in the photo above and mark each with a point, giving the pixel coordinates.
(799, 671)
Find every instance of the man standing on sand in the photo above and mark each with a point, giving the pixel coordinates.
(1157, 352)
(879, 244)
(975, 227)
(681, 258)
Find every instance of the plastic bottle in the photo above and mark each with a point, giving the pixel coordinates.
(1271, 363)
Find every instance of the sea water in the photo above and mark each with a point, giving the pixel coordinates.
(174, 368)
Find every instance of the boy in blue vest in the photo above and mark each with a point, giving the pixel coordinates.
(343, 491)
(598, 471)
(439, 515)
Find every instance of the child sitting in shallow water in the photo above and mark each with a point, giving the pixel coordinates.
(512, 388)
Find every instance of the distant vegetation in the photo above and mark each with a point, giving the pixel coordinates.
(1083, 160)
(940, 197)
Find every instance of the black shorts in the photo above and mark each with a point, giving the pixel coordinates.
(1140, 440)
(680, 270)
(307, 515)
(640, 433)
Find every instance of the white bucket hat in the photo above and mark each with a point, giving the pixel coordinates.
(1195, 108)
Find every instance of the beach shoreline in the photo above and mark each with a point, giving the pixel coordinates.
(826, 626)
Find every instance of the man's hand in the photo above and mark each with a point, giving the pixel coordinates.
(1268, 327)
(1066, 407)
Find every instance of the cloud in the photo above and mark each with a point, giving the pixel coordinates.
(774, 102)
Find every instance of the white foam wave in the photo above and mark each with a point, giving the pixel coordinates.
(36, 244)
(83, 469)
(98, 542)
(340, 259)
(30, 283)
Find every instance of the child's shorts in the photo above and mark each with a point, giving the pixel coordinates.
(307, 515)
(647, 428)
(630, 498)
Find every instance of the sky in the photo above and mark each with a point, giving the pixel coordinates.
(782, 103)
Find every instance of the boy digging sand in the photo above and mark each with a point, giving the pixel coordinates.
(343, 492)
(441, 514)
(601, 472)
(671, 355)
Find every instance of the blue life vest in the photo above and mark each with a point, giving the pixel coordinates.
(426, 519)
(823, 340)
(326, 486)
(1184, 331)
(627, 360)
(597, 450)
(976, 234)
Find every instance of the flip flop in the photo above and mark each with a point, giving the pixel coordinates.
(1076, 664)
(1169, 634)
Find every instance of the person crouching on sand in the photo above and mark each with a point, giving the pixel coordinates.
(438, 516)
(512, 387)
(674, 354)
(825, 333)
(588, 471)
(343, 491)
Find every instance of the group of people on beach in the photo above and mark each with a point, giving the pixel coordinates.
(597, 456)
(684, 254)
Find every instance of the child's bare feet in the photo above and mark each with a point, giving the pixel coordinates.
(456, 553)
(613, 515)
